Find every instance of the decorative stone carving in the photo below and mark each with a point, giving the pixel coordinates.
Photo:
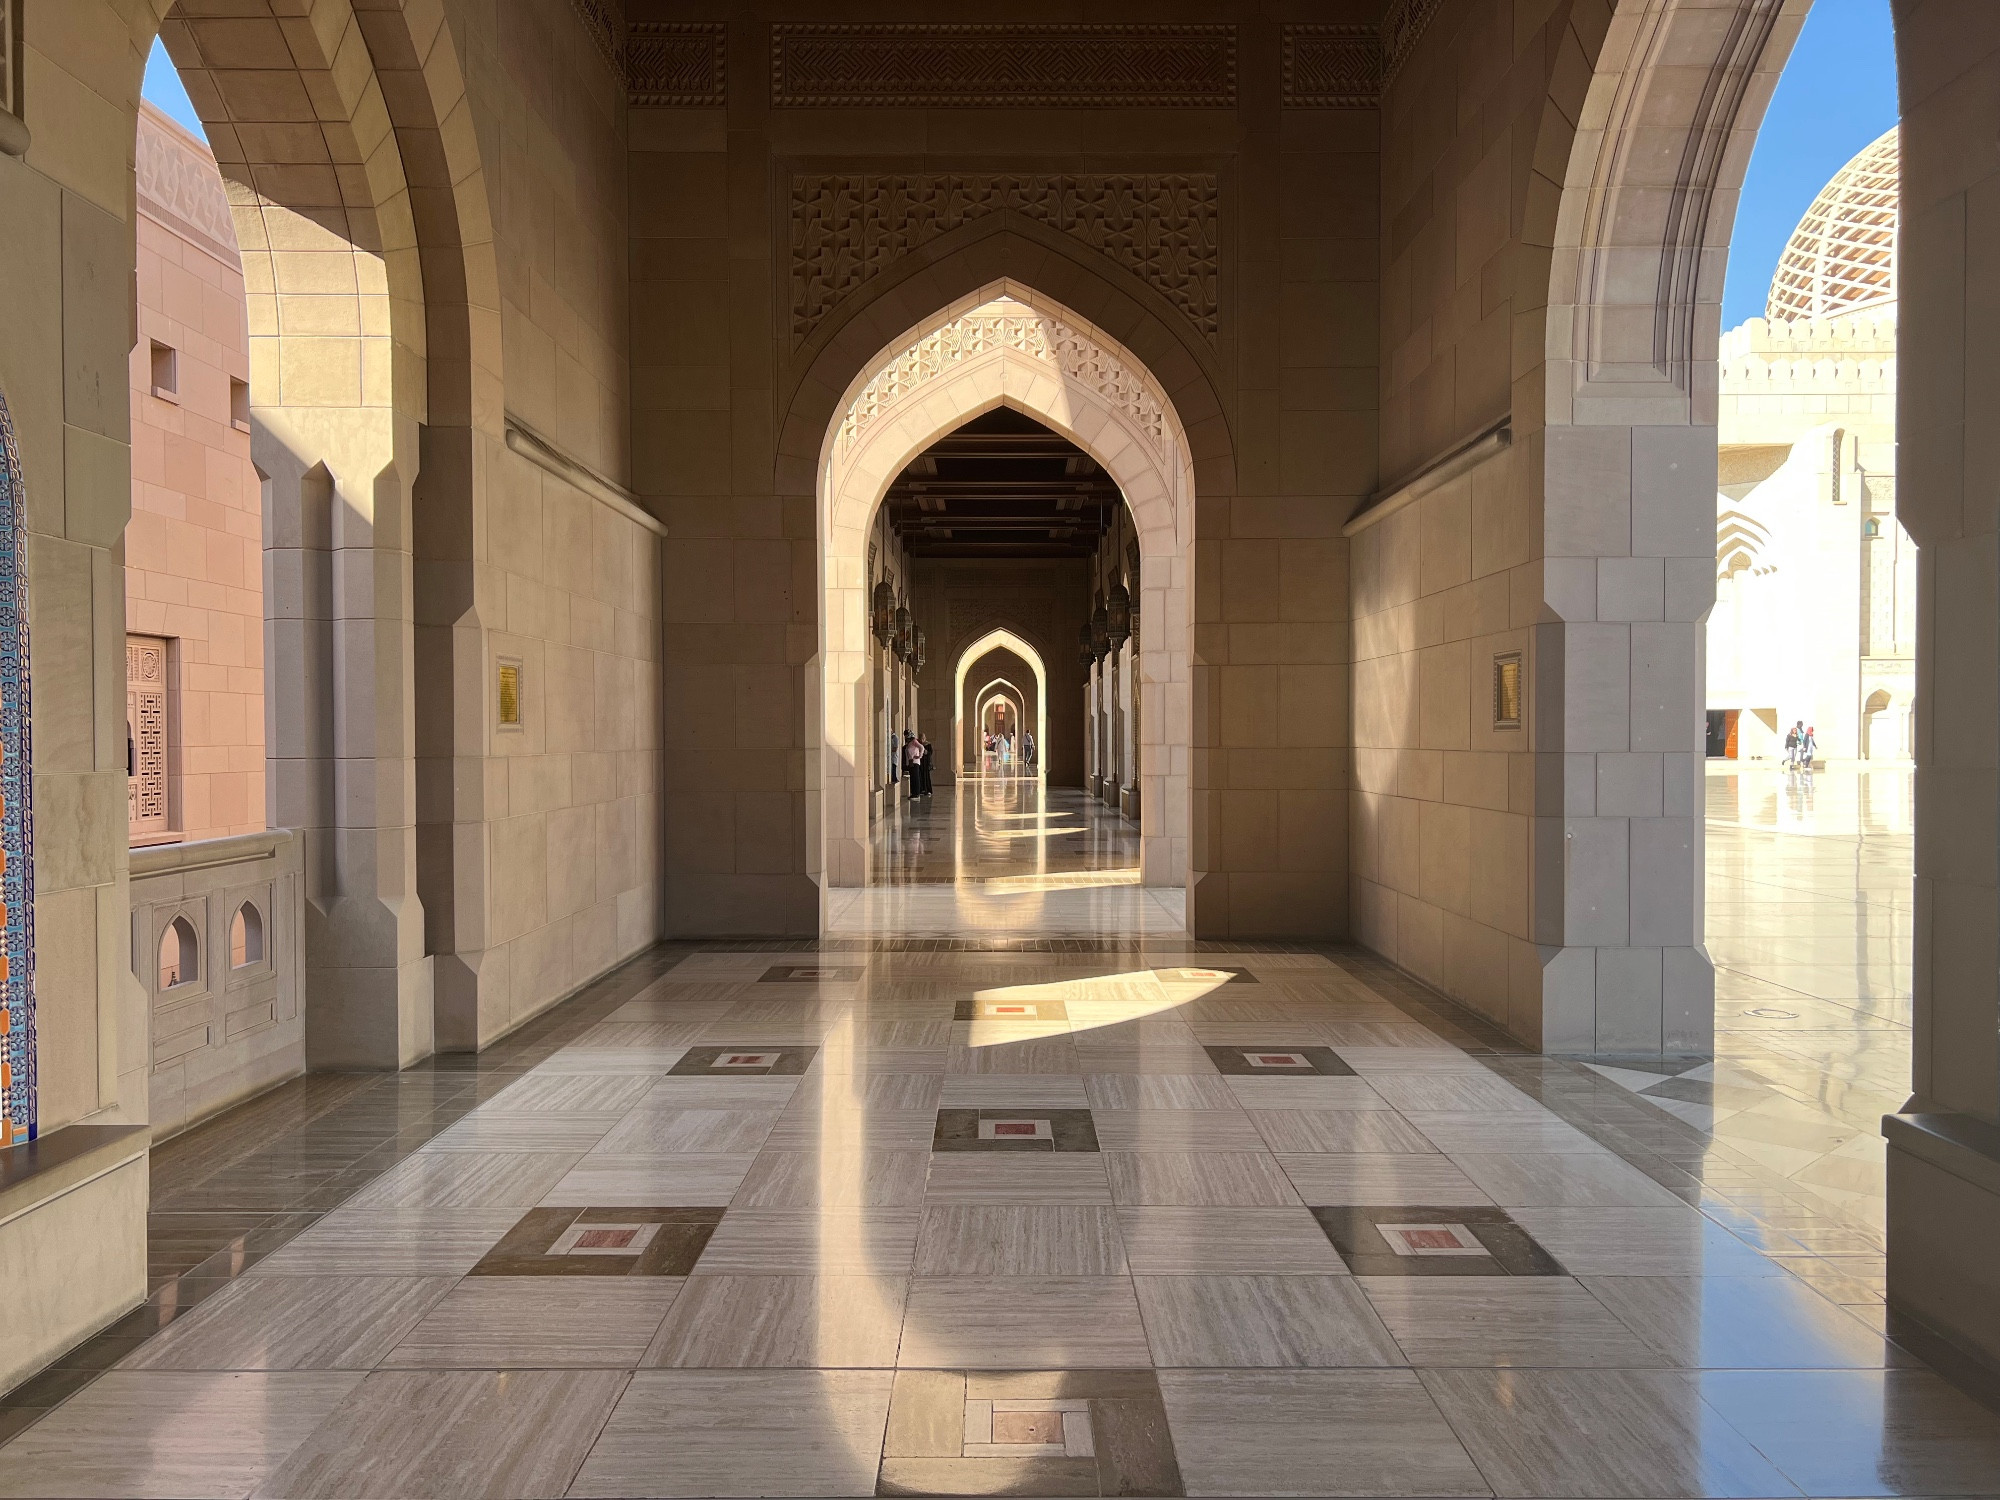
(1180, 66)
(604, 20)
(1332, 67)
(17, 816)
(987, 330)
(1164, 227)
(670, 62)
(178, 185)
(1403, 27)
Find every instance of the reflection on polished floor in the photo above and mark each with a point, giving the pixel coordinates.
(1053, 1217)
(1809, 922)
(1004, 856)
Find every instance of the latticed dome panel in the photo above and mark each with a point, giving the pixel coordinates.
(1842, 257)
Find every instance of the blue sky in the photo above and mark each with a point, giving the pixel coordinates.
(1837, 93)
(163, 90)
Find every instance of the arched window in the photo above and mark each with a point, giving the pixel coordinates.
(246, 937)
(180, 954)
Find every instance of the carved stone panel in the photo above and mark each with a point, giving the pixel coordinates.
(847, 227)
(1022, 66)
(668, 62)
(1332, 67)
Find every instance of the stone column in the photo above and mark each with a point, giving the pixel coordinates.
(1944, 1149)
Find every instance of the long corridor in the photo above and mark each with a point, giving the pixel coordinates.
(1058, 1216)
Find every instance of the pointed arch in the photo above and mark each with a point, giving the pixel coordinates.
(969, 658)
(1007, 344)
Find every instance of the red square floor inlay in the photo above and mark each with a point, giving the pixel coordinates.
(606, 1239)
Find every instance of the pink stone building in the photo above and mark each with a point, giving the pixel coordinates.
(194, 587)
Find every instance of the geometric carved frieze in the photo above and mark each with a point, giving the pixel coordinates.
(1005, 65)
(847, 227)
(669, 62)
(604, 21)
(1403, 26)
(1332, 67)
(1005, 324)
(17, 814)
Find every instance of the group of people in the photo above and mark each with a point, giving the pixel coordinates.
(910, 759)
(1000, 750)
(1801, 745)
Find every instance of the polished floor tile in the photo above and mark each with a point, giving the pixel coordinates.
(649, 1132)
(1009, 1323)
(1378, 1132)
(1330, 1178)
(170, 1435)
(623, 1241)
(1742, 1322)
(604, 1180)
(505, 1322)
(741, 1432)
(1250, 1321)
(813, 1242)
(1599, 1433)
(467, 1179)
(970, 1177)
(841, 1177)
(805, 1322)
(1642, 1242)
(391, 1242)
(1545, 1322)
(972, 1239)
(294, 1323)
(452, 1433)
(1581, 1181)
(1177, 1241)
(1176, 1130)
(1197, 1179)
(1313, 1432)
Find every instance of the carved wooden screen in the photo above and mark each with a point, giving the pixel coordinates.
(146, 734)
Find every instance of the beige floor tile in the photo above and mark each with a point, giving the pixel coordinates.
(1376, 1131)
(842, 1129)
(741, 1432)
(1329, 1180)
(602, 1180)
(451, 1433)
(1478, 1092)
(1175, 1130)
(1305, 1093)
(391, 1242)
(821, 1094)
(1641, 1242)
(466, 1179)
(169, 1435)
(977, 1091)
(1023, 1323)
(979, 1239)
(538, 1322)
(1465, 1133)
(737, 1322)
(660, 1132)
(1569, 1180)
(1539, 1321)
(629, 1057)
(1862, 1432)
(1197, 1178)
(294, 1323)
(841, 1177)
(812, 1242)
(1313, 1432)
(1742, 1322)
(693, 1092)
(1250, 1321)
(1170, 1241)
(1549, 1433)
(571, 1092)
(527, 1130)
(1018, 1177)
(1159, 1091)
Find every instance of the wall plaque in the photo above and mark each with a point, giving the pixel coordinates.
(670, 62)
(1332, 67)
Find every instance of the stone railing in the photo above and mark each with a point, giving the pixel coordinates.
(217, 943)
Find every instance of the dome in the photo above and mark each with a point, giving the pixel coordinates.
(1842, 257)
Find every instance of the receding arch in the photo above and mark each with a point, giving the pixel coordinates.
(969, 658)
(1006, 344)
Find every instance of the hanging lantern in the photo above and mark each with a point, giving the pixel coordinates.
(1085, 653)
(1100, 632)
(920, 651)
(1118, 616)
(883, 613)
(906, 645)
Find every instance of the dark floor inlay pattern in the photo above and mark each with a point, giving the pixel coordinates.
(1279, 1061)
(1431, 1240)
(1010, 1010)
(602, 1242)
(811, 974)
(749, 1059)
(1231, 973)
(1028, 1432)
(1024, 1128)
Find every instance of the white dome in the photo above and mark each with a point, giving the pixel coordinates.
(1842, 257)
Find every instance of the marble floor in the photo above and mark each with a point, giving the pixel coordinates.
(1004, 857)
(1052, 1217)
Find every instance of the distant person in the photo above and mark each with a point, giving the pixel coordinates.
(1808, 748)
(911, 755)
(895, 758)
(1028, 749)
(925, 765)
(1792, 736)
